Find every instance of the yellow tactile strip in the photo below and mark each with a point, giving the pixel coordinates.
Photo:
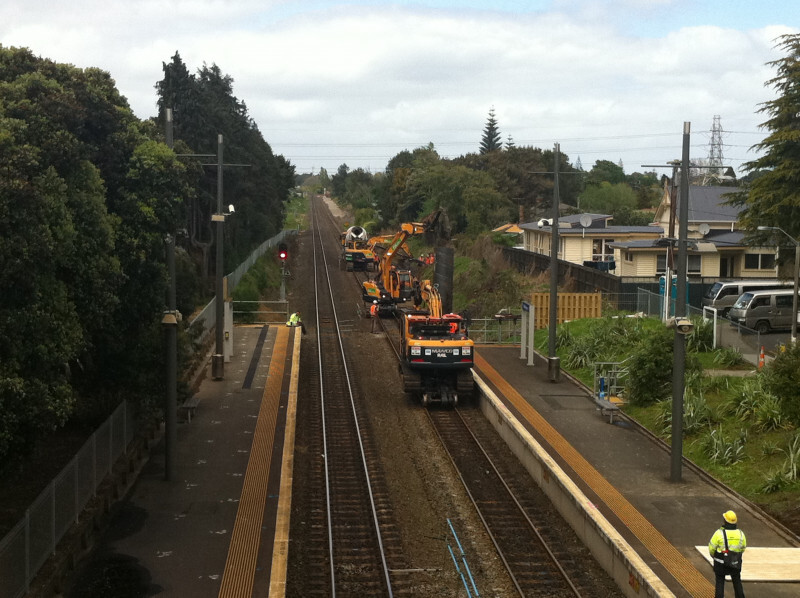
(240, 566)
(669, 556)
(280, 547)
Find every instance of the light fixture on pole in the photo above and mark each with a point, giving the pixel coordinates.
(796, 274)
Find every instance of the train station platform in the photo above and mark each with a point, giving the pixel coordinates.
(624, 474)
(193, 535)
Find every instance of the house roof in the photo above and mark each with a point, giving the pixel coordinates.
(726, 238)
(604, 231)
(715, 239)
(706, 204)
(510, 228)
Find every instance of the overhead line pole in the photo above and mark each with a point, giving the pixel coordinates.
(170, 323)
(553, 364)
(679, 341)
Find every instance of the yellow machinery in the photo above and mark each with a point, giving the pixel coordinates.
(357, 255)
(392, 285)
(437, 354)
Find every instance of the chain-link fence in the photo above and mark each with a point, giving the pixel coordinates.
(204, 321)
(495, 331)
(506, 330)
(33, 539)
(726, 334)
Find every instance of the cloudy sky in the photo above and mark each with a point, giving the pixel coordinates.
(331, 82)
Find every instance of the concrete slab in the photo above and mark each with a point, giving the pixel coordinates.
(766, 564)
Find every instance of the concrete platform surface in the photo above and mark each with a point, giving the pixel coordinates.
(626, 472)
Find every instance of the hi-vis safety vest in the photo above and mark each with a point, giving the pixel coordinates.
(294, 320)
(736, 542)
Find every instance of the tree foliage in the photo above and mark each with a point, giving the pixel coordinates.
(87, 195)
(772, 196)
(649, 377)
(782, 379)
(607, 198)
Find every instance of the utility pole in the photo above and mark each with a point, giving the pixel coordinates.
(218, 359)
(170, 323)
(553, 364)
(679, 341)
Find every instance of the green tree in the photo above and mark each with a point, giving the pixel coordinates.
(607, 198)
(490, 141)
(59, 275)
(772, 198)
(339, 181)
(605, 171)
(468, 196)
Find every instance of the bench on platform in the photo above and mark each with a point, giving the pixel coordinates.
(606, 408)
(188, 407)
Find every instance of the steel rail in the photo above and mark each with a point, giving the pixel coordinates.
(542, 542)
(317, 239)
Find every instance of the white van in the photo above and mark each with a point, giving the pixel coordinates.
(723, 294)
(764, 310)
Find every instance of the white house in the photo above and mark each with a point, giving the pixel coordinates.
(716, 249)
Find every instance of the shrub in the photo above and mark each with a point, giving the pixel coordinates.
(716, 384)
(697, 415)
(744, 403)
(563, 336)
(768, 415)
(650, 368)
(782, 378)
(787, 474)
(701, 338)
(723, 451)
(582, 352)
(774, 482)
(728, 357)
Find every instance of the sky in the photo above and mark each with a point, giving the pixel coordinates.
(331, 82)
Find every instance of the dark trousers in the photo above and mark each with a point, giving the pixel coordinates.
(720, 571)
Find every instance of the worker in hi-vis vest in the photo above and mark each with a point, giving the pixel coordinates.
(726, 548)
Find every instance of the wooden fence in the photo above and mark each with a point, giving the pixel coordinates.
(571, 306)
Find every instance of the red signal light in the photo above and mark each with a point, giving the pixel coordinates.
(283, 252)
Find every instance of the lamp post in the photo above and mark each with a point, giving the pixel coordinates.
(796, 274)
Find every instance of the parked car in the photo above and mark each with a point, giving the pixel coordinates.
(764, 310)
(723, 294)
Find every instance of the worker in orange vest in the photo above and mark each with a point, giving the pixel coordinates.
(373, 312)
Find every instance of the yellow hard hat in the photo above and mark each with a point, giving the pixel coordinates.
(729, 516)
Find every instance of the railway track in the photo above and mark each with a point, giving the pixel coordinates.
(528, 554)
(537, 548)
(357, 547)
(517, 515)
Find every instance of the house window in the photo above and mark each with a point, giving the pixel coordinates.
(661, 263)
(601, 252)
(628, 256)
(759, 261)
(693, 264)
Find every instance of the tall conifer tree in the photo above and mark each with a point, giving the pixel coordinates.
(490, 141)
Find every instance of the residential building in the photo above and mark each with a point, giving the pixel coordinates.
(716, 246)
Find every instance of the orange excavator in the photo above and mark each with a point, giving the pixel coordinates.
(391, 284)
(437, 354)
